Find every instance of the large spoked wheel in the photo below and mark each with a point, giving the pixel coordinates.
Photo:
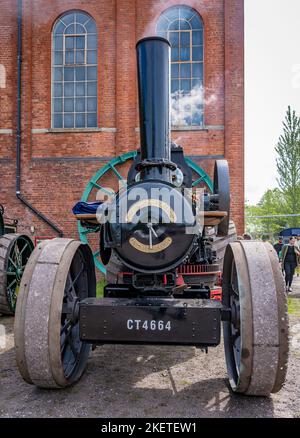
(222, 188)
(114, 172)
(15, 250)
(49, 351)
(256, 337)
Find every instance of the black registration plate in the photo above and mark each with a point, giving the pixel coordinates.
(153, 321)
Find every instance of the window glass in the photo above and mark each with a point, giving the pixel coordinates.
(74, 71)
(183, 27)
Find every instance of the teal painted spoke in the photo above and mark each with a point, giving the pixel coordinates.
(198, 181)
(96, 254)
(116, 172)
(11, 273)
(11, 261)
(24, 247)
(101, 188)
(10, 285)
(88, 231)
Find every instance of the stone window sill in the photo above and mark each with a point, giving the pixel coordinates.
(197, 128)
(71, 130)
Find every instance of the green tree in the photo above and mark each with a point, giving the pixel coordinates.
(271, 204)
(288, 164)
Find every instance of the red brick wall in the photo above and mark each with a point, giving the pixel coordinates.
(234, 105)
(56, 167)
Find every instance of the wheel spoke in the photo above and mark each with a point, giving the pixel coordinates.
(65, 326)
(234, 288)
(71, 287)
(198, 181)
(65, 340)
(101, 188)
(73, 349)
(78, 275)
(234, 284)
(73, 282)
(12, 262)
(116, 172)
(88, 231)
(62, 350)
(11, 284)
(23, 249)
(63, 345)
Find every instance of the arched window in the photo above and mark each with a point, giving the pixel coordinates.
(74, 71)
(183, 27)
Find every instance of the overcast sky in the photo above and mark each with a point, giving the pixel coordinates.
(272, 50)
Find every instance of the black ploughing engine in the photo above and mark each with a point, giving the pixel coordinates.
(159, 241)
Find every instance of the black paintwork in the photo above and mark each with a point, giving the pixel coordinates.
(177, 157)
(182, 242)
(128, 290)
(153, 65)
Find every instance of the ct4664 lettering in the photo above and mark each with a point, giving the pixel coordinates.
(148, 325)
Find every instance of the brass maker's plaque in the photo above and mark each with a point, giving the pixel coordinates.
(147, 249)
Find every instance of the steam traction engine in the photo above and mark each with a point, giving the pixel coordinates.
(161, 269)
(15, 250)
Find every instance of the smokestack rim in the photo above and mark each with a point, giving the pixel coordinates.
(153, 38)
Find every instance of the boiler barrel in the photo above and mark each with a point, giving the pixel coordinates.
(153, 59)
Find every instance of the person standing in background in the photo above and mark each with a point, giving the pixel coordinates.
(298, 246)
(278, 246)
(290, 260)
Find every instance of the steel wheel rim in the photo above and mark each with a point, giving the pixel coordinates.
(16, 262)
(236, 278)
(40, 313)
(201, 177)
(73, 351)
(235, 330)
(263, 319)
